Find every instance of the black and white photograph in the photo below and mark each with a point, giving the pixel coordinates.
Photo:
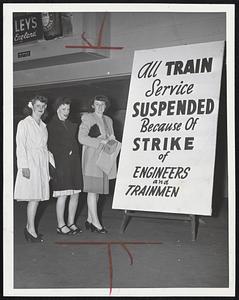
(119, 152)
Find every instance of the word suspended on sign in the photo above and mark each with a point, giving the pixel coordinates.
(169, 141)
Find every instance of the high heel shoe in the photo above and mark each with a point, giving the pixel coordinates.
(75, 231)
(87, 225)
(59, 230)
(31, 238)
(95, 229)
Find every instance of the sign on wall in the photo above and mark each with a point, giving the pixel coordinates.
(27, 27)
(169, 141)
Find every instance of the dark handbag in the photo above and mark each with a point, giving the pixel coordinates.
(94, 131)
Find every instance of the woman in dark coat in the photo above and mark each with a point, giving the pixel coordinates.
(67, 178)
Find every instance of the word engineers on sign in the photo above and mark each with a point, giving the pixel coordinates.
(169, 141)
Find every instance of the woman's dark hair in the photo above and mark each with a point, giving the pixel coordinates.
(102, 98)
(27, 111)
(61, 100)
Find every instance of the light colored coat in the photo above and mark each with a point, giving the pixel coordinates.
(92, 146)
(32, 153)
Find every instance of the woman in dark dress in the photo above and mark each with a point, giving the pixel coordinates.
(67, 178)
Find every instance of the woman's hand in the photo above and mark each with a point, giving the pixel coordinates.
(111, 137)
(26, 173)
(104, 141)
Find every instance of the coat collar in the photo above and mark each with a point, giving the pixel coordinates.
(56, 119)
(42, 124)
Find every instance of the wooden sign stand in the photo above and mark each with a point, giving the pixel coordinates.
(128, 214)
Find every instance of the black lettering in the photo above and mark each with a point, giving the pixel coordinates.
(135, 107)
(135, 172)
(144, 70)
(209, 106)
(175, 143)
(169, 64)
(197, 66)
(136, 143)
(206, 65)
(170, 110)
(189, 143)
(162, 106)
(129, 189)
(191, 107)
(201, 103)
(154, 69)
(181, 107)
(150, 92)
(189, 68)
(178, 67)
(153, 108)
(185, 173)
(145, 140)
(174, 192)
(144, 125)
(144, 109)
(155, 144)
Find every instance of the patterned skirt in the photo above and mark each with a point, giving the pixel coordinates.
(65, 193)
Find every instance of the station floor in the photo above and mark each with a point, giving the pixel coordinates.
(172, 261)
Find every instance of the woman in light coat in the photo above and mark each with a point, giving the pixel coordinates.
(32, 181)
(95, 130)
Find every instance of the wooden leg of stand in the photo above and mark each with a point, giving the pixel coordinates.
(125, 222)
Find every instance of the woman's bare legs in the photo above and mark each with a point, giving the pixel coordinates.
(31, 213)
(92, 201)
(60, 209)
(73, 203)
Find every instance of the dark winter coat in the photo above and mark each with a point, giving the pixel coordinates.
(63, 144)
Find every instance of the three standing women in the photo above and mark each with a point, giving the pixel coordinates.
(32, 181)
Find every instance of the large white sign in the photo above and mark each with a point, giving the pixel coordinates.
(169, 141)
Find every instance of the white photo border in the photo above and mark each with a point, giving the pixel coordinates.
(8, 231)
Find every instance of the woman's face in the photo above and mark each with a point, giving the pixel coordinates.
(63, 111)
(99, 106)
(39, 108)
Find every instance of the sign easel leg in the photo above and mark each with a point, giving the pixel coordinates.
(194, 226)
(125, 221)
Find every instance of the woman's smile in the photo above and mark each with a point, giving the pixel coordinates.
(63, 111)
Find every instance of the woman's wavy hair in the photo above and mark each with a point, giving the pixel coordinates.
(61, 100)
(27, 111)
(99, 98)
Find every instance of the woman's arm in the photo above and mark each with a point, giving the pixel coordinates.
(110, 122)
(21, 152)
